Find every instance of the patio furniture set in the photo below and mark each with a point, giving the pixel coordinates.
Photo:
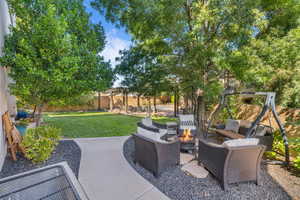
(158, 147)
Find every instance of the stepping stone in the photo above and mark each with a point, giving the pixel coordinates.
(185, 158)
(195, 170)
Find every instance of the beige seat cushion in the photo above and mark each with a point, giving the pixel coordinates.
(241, 142)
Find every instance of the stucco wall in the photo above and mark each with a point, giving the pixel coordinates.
(4, 93)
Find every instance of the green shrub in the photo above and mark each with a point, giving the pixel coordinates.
(297, 162)
(278, 146)
(295, 147)
(40, 142)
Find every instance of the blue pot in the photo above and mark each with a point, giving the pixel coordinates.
(21, 129)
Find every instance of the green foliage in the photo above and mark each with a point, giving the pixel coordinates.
(295, 146)
(87, 99)
(198, 42)
(40, 142)
(142, 71)
(297, 162)
(278, 146)
(53, 51)
(272, 63)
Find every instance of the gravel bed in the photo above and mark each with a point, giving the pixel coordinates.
(179, 186)
(66, 150)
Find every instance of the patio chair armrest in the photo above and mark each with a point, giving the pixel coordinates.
(213, 157)
(243, 163)
(168, 154)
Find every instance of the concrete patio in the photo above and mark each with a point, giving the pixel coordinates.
(105, 174)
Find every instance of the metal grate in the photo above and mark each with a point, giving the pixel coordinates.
(47, 184)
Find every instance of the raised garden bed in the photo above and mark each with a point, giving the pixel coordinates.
(66, 150)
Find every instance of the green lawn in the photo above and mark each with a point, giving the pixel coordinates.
(95, 124)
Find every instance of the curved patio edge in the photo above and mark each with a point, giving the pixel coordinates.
(105, 173)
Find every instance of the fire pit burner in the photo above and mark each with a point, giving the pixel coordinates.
(187, 141)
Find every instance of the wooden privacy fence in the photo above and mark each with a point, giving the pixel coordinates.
(118, 103)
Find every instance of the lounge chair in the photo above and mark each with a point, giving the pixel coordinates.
(153, 153)
(232, 162)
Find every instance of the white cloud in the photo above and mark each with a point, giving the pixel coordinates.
(111, 51)
(113, 45)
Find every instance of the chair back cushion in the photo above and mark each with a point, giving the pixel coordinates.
(232, 125)
(241, 142)
(187, 122)
(245, 123)
(147, 122)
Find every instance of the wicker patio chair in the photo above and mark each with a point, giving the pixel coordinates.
(156, 155)
(231, 164)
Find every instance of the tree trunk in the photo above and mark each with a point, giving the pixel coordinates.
(138, 103)
(99, 101)
(33, 113)
(201, 114)
(175, 103)
(126, 102)
(149, 107)
(154, 104)
(38, 116)
(186, 104)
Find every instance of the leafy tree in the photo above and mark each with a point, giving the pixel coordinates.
(53, 51)
(273, 64)
(194, 36)
(142, 72)
(196, 39)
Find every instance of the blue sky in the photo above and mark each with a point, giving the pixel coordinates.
(116, 38)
